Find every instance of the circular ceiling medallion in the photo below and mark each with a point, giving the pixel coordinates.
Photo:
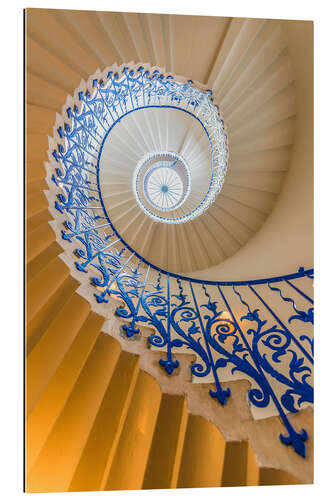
(161, 182)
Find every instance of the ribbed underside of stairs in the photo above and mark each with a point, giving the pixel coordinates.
(97, 420)
(245, 63)
(96, 416)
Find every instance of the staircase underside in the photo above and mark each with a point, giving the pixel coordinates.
(101, 415)
(246, 65)
(101, 408)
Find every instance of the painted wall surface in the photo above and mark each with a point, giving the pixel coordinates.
(285, 241)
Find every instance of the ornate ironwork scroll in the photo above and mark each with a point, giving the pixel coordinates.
(233, 328)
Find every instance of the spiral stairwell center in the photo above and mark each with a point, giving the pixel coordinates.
(169, 319)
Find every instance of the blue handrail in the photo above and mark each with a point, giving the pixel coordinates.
(233, 327)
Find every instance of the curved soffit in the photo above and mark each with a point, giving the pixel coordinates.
(253, 84)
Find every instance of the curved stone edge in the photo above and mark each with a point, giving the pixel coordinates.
(234, 421)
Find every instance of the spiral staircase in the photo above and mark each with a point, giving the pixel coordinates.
(104, 410)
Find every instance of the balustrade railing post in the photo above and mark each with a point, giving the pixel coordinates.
(66, 236)
(299, 291)
(101, 298)
(74, 116)
(293, 437)
(220, 393)
(132, 330)
(296, 341)
(82, 267)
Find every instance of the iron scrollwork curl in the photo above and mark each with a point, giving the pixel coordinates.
(250, 343)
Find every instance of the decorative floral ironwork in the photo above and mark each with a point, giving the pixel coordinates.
(211, 319)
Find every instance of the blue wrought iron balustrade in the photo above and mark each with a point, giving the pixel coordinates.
(249, 337)
(260, 329)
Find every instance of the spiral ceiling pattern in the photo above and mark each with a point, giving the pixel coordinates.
(252, 82)
(153, 119)
(158, 171)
